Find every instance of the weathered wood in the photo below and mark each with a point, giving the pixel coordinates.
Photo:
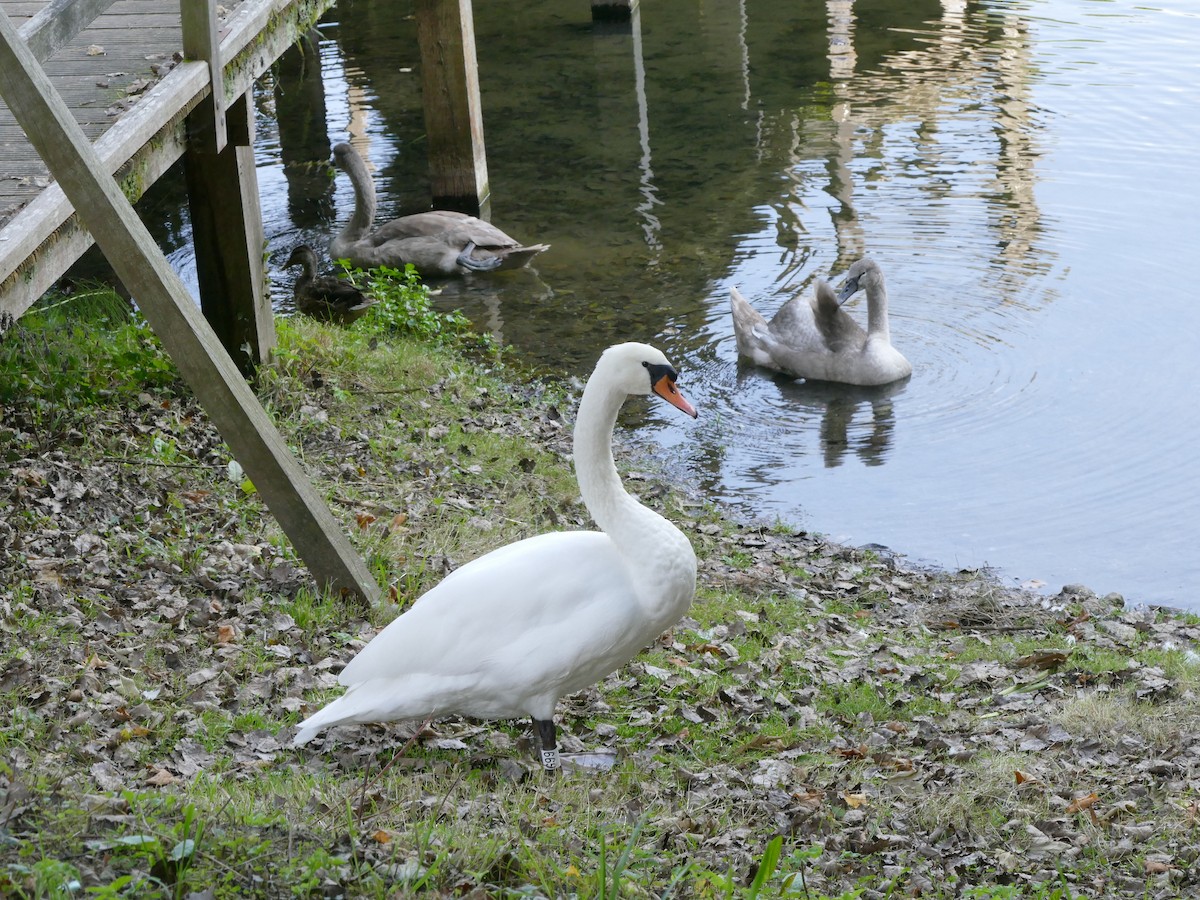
(40, 240)
(453, 112)
(227, 233)
(163, 298)
(200, 42)
(57, 23)
(45, 237)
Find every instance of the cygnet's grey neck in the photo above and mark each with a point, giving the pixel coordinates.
(364, 199)
(877, 309)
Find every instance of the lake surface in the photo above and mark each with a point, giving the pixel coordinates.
(1024, 172)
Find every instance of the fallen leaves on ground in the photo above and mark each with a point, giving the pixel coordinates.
(916, 728)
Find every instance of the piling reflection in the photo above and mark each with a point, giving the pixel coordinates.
(299, 94)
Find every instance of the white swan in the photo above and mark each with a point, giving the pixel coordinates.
(817, 339)
(437, 242)
(511, 632)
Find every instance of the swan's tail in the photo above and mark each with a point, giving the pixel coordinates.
(368, 701)
(520, 256)
(326, 717)
(746, 322)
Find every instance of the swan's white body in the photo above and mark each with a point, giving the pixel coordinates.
(511, 632)
(816, 339)
(438, 242)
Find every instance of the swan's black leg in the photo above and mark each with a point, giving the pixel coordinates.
(545, 732)
(477, 265)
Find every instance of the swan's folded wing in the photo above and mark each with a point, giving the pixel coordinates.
(552, 583)
(827, 301)
(423, 224)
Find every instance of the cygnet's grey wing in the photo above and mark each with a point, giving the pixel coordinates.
(795, 327)
(423, 224)
(839, 332)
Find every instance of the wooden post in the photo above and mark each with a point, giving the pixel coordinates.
(223, 198)
(199, 21)
(453, 114)
(227, 233)
(612, 10)
(164, 300)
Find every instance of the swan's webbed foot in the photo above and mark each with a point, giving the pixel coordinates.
(546, 737)
(467, 261)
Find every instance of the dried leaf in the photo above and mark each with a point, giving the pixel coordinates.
(202, 676)
(859, 752)
(1079, 804)
(1043, 659)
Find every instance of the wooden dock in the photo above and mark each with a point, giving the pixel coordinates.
(100, 98)
(126, 85)
(94, 89)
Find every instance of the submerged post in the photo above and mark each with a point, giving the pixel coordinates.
(227, 234)
(612, 10)
(453, 113)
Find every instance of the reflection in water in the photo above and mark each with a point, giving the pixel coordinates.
(852, 419)
(991, 156)
(304, 132)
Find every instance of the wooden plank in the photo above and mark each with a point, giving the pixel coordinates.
(200, 42)
(163, 298)
(453, 112)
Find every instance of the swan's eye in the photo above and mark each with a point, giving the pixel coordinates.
(659, 372)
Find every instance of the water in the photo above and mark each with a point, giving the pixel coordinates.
(1024, 172)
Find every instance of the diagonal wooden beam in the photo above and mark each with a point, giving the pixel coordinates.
(173, 314)
(58, 22)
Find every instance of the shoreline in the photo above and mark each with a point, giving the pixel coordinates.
(898, 730)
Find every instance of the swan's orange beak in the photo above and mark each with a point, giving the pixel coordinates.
(665, 388)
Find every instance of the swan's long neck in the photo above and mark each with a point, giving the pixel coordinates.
(601, 487)
(364, 201)
(658, 554)
(877, 310)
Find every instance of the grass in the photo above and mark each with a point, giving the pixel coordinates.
(158, 637)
